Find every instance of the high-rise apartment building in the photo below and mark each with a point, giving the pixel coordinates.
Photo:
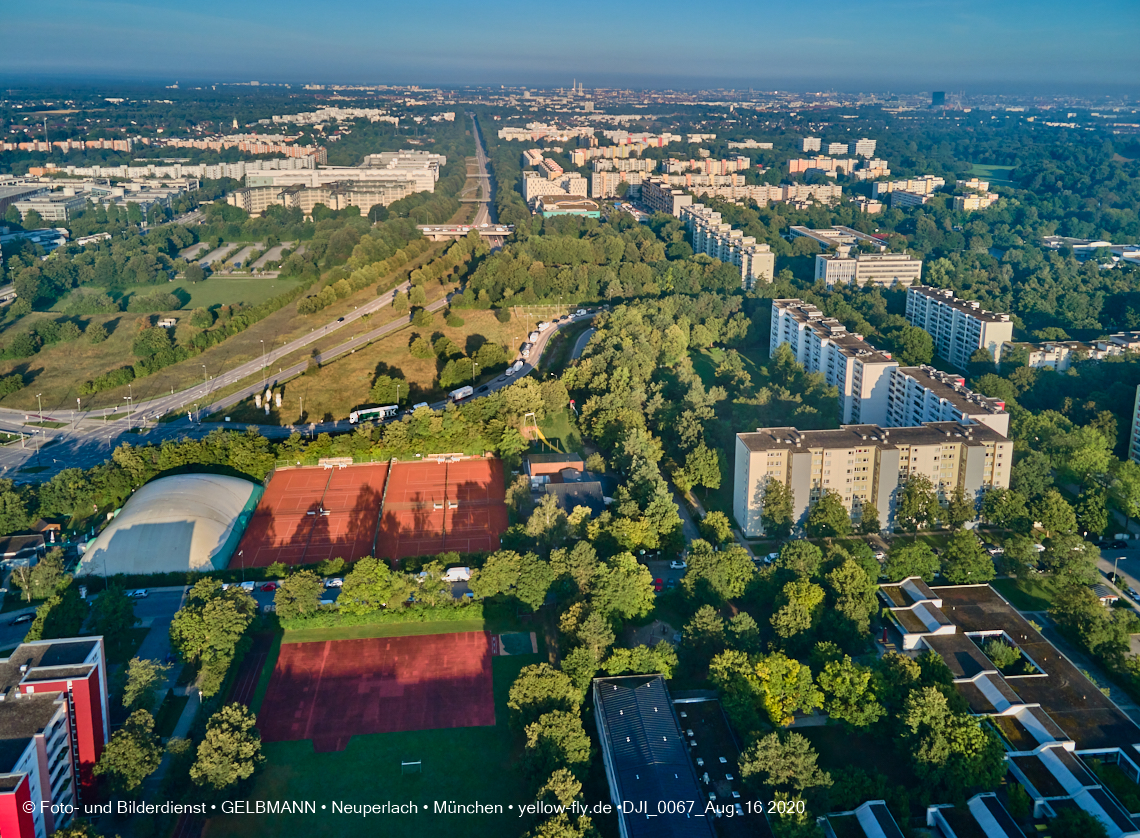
(811, 144)
(925, 394)
(837, 148)
(54, 722)
(658, 196)
(606, 184)
(866, 465)
(827, 165)
(535, 185)
(822, 344)
(714, 238)
(959, 327)
(885, 270)
(862, 148)
(918, 186)
(1134, 439)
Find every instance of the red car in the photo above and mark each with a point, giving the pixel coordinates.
(658, 585)
(269, 586)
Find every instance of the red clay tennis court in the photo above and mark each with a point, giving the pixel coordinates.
(331, 691)
(433, 507)
(310, 514)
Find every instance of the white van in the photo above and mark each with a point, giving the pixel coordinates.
(457, 574)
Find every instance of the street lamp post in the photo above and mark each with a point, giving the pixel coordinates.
(39, 444)
(263, 362)
(130, 407)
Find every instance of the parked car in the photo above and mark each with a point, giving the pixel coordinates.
(995, 551)
(1118, 545)
(671, 584)
(23, 618)
(581, 312)
(269, 587)
(771, 557)
(677, 564)
(880, 555)
(335, 582)
(138, 593)
(248, 587)
(658, 585)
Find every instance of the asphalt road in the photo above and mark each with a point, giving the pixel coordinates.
(484, 214)
(580, 344)
(1127, 564)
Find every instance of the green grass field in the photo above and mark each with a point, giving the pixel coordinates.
(560, 433)
(225, 290)
(1026, 594)
(995, 174)
(319, 635)
(465, 765)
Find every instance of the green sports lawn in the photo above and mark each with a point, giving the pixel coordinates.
(466, 765)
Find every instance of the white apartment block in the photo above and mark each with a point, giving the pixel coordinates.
(627, 164)
(707, 165)
(866, 465)
(828, 165)
(749, 144)
(868, 205)
(885, 270)
(532, 157)
(971, 203)
(1134, 439)
(824, 193)
(822, 344)
(959, 327)
(714, 238)
(862, 148)
(925, 394)
(1059, 355)
(811, 144)
(837, 148)
(658, 196)
(605, 184)
(700, 138)
(919, 186)
(534, 185)
(421, 178)
(202, 171)
(904, 200)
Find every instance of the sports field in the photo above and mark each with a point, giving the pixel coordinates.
(466, 765)
(328, 692)
(409, 509)
(430, 508)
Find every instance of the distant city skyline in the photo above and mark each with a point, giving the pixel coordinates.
(1016, 45)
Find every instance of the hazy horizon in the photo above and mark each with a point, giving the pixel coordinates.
(1022, 47)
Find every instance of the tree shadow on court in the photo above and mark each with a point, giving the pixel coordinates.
(466, 516)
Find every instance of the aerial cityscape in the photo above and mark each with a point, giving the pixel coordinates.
(416, 422)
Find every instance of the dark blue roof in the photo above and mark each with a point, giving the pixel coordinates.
(647, 757)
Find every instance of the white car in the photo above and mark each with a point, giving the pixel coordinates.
(677, 564)
(771, 557)
(1040, 548)
(248, 587)
(581, 312)
(336, 582)
(138, 593)
(879, 555)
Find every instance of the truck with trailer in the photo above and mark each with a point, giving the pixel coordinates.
(386, 412)
(461, 393)
(525, 351)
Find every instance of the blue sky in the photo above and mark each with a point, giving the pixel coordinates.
(904, 45)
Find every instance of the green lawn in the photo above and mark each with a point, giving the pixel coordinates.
(226, 290)
(996, 175)
(465, 765)
(1026, 594)
(319, 635)
(560, 432)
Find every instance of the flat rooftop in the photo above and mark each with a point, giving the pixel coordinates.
(965, 306)
(946, 387)
(861, 436)
(1081, 710)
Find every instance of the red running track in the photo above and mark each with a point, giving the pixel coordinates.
(331, 691)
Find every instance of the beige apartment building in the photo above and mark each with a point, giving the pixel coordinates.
(821, 344)
(866, 465)
(658, 196)
(884, 270)
(959, 327)
(719, 240)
